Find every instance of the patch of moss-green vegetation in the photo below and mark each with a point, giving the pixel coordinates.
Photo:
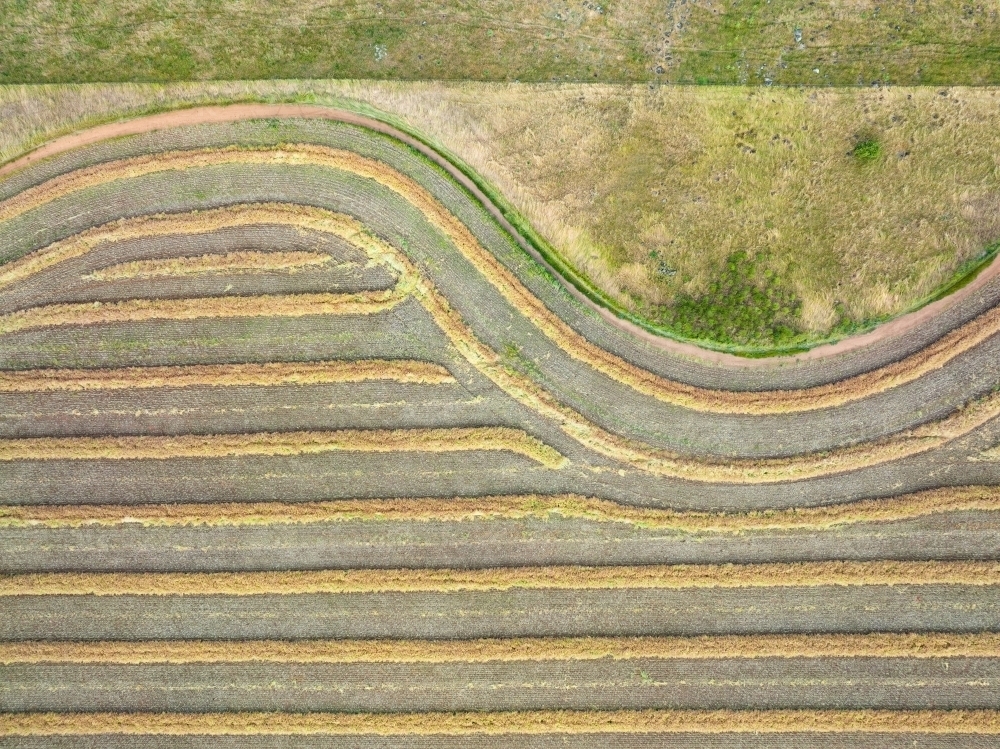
(867, 150)
(745, 306)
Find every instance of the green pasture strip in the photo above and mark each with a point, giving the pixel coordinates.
(728, 42)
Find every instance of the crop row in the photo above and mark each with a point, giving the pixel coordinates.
(651, 577)
(246, 261)
(541, 722)
(459, 509)
(920, 645)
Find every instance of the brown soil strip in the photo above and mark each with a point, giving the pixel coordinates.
(464, 509)
(223, 375)
(246, 261)
(141, 310)
(915, 645)
(721, 401)
(280, 443)
(538, 722)
(239, 112)
(652, 577)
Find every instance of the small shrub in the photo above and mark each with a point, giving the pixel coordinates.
(867, 150)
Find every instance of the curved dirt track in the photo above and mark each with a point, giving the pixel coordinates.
(386, 495)
(237, 112)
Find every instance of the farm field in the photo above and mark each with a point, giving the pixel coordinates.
(823, 243)
(303, 443)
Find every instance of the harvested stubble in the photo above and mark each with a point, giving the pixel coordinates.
(687, 396)
(224, 375)
(652, 577)
(247, 261)
(540, 722)
(906, 645)
(464, 509)
(281, 443)
(487, 361)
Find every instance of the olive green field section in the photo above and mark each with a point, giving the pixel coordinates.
(701, 41)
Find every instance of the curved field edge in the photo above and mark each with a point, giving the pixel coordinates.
(533, 506)
(917, 645)
(526, 238)
(906, 370)
(445, 580)
(505, 723)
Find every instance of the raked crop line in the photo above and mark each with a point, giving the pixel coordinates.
(224, 375)
(485, 509)
(916, 645)
(650, 577)
(243, 261)
(535, 722)
(688, 396)
(486, 360)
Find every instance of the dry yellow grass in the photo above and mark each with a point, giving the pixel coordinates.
(906, 645)
(280, 443)
(720, 401)
(246, 261)
(541, 507)
(140, 310)
(541, 722)
(652, 577)
(223, 375)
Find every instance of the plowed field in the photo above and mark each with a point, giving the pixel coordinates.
(300, 445)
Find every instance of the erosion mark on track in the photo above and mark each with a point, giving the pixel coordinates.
(651, 577)
(728, 647)
(224, 375)
(540, 722)
(281, 443)
(688, 396)
(533, 506)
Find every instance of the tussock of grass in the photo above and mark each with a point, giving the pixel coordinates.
(688, 396)
(140, 310)
(280, 443)
(540, 507)
(907, 645)
(223, 375)
(540, 722)
(652, 577)
(247, 261)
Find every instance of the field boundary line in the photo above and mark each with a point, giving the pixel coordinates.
(146, 447)
(727, 647)
(540, 722)
(558, 331)
(516, 507)
(224, 375)
(443, 580)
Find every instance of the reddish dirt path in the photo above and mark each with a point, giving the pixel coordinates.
(237, 112)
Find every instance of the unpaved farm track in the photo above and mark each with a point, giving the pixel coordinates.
(300, 445)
